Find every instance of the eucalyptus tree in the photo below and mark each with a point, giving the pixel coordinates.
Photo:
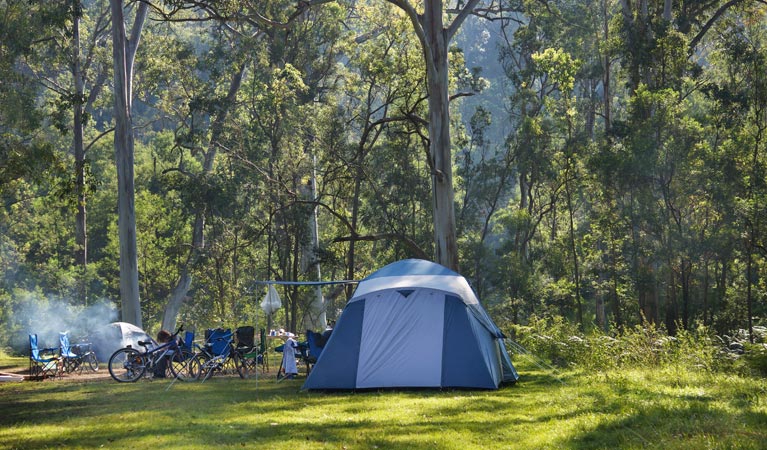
(660, 50)
(89, 74)
(201, 103)
(484, 175)
(531, 135)
(25, 153)
(70, 72)
(435, 36)
(266, 143)
(124, 48)
(741, 92)
(42, 64)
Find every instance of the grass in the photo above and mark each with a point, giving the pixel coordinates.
(668, 408)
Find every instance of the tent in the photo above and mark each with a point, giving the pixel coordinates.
(114, 336)
(413, 323)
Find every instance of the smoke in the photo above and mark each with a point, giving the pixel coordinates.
(47, 317)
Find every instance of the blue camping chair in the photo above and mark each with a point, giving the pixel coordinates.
(70, 361)
(188, 342)
(218, 341)
(43, 362)
(315, 343)
(219, 351)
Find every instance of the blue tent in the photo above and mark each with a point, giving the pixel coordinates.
(413, 323)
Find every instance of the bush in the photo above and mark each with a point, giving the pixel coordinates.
(562, 344)
(755, 357)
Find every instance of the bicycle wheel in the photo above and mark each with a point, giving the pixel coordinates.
(92, 362)
(195, 366)
(201, 366)
(127, 365)
(247, 365)
(230, 363)
(181, 365)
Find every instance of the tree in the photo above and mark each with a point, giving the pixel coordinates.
(24, 152)
(435, 38)
(124, 54)
(82, 103)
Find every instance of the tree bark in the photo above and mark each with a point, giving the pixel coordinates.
(574, 248)
(445, 239)
(435, 40)
(124, 52)
(81, 235)
(606, 68)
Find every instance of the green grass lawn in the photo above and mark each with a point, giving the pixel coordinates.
(664, 409)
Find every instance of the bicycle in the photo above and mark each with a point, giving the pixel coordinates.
(127, 365)
(83, 357)
(217, 355)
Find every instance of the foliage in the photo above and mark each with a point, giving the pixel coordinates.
(562, 344)
(609, 167)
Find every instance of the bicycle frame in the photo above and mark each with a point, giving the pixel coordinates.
(153, 356)
(83, 355)
(207, 362)
(129, 364)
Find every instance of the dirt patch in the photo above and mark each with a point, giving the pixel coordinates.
(86, 375)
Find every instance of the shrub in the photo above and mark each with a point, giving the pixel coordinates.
(562, 344)
(755, 357)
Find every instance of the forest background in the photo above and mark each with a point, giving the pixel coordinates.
(608, 157)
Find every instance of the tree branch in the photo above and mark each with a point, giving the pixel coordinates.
(409, 243)
(460, 18)
(698, 37)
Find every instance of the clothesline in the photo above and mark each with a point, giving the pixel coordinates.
(306, 283)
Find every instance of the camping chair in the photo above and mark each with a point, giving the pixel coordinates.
(43, 362)
(245, 339)
(219, 345)
(188, 342)
(218, 341)
(250, 355)
(70, 361)
(314, 343)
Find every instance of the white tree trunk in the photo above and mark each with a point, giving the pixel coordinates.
(435, 40)
(124, 51)
(440, 150)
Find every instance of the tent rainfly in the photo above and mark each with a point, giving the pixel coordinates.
(413, 323)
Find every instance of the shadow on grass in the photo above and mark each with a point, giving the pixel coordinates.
(695, 426)
(542, 411)
(234, 412)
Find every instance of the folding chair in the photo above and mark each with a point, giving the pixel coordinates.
(188, 342)
(43, 362)
(315, 343)
(219, 346)
(218, 341)
(70, 361)
(245, 339)
(247, 359)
